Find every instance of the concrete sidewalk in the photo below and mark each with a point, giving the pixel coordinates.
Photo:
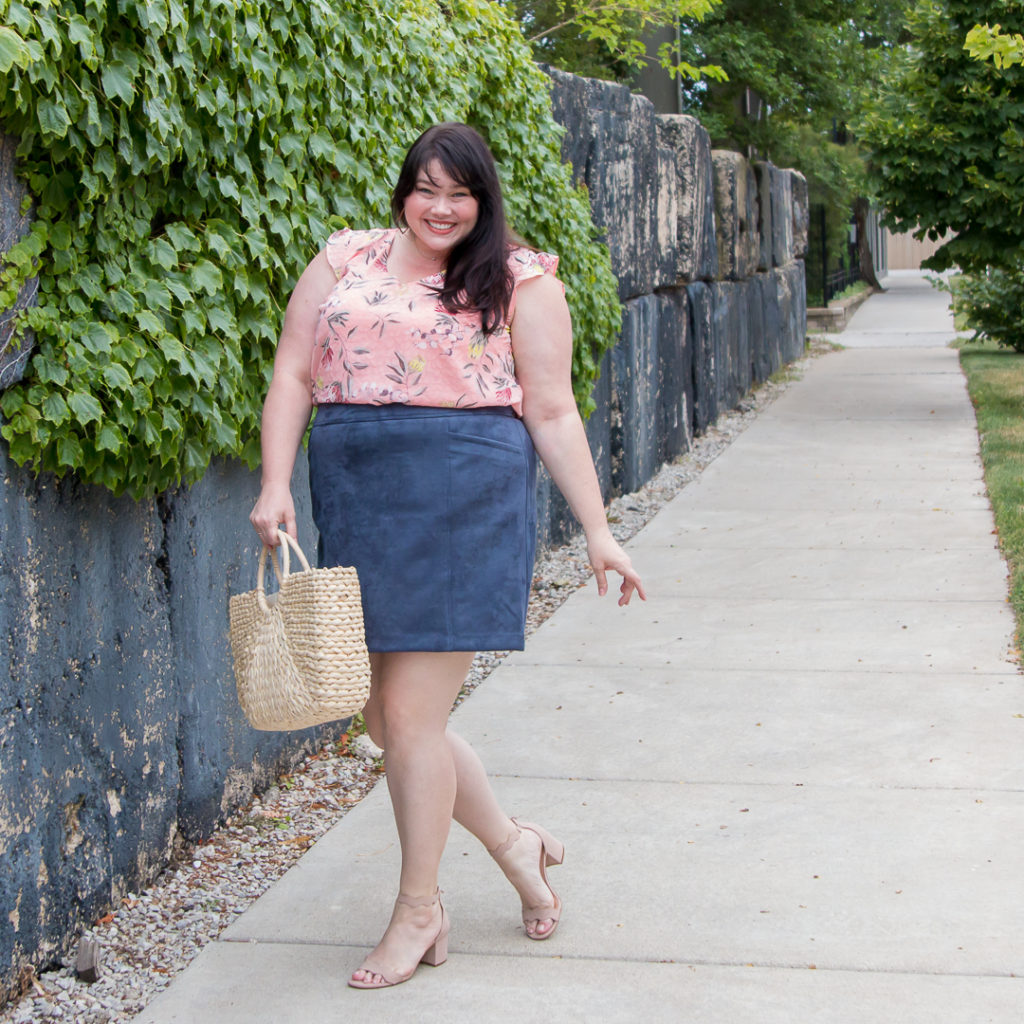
(790, 785)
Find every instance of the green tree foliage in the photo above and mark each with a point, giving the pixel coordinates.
(991, 299)
(188, 157)
(988, 42)
(946, 140)
(810, 63)
(605, 38)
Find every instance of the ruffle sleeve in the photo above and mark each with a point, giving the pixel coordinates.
(526, 264)
(347, 246)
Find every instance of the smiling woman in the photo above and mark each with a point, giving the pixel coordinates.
(439, 212)
(438, 355)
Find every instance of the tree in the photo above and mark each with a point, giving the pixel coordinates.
(798, 71)
(945, 139)
(807, 61)
(991, 299)
(605, 38)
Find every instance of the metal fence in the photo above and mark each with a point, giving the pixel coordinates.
(837, 280)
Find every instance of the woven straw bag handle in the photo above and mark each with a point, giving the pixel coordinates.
(287, 541)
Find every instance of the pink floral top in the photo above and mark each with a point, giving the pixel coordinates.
(379, 341)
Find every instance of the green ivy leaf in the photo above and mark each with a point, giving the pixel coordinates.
(85, 407)
(116, 377)
(110, 438)
(149, 322)
(97, 338)
(206, 277)
(13, 50)
(55, 409)
(53, 118)
(116, 79)
(79, 31)
(69, 451)
(163, 254)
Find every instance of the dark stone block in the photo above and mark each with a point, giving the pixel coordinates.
(611, 135)
(118, 720)
(736, 217)
(569, 105)
(782, 217)
(742, 344)
(722, 328)
(791, 292)
(666, 215)
(700, 303)
(731, 342)
(696, 243)
(14, 225)
(623, 183)
(763, 173)
(558, 524)
(784, 302)
(90, 772)
(801, 212)
(768, 359)
(798, 272)
(599, 426)
(760, 344)
(675, 375)
(635, 396)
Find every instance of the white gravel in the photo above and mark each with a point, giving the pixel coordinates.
(154, 935)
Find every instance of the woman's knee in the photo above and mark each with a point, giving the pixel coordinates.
(391, 722)
(397, 725)
(373, 719)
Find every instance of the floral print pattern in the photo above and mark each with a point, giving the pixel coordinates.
(379, 341)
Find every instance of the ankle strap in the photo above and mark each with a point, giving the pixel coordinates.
(502, 848)
(419, 901)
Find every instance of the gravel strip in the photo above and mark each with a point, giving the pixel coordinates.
(154, 935)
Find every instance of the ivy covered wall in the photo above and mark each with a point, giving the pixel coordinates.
(186, 158)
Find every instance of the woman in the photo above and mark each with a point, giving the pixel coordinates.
(438, 355)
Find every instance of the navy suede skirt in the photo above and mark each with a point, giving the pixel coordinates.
(436, 510)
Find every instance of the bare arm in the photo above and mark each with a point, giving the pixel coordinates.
(542, 347)
(289, 401)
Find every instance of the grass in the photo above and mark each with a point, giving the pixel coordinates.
(850, 290)
(995, 380)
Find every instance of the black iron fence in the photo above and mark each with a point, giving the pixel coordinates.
(832, 261)
(838, 280)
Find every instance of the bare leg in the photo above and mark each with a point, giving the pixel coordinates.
(411, 696)
(476, 809)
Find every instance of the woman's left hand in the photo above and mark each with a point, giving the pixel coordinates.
(605, 553)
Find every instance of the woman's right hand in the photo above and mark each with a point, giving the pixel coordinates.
(273, 507)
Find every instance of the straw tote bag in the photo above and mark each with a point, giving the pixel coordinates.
(300, 653)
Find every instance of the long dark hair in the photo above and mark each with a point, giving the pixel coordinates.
(477, 276)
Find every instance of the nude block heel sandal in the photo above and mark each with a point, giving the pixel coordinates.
(435, 955)
(551, 852)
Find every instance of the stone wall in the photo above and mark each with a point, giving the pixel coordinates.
(120, 735)
(708, 252)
